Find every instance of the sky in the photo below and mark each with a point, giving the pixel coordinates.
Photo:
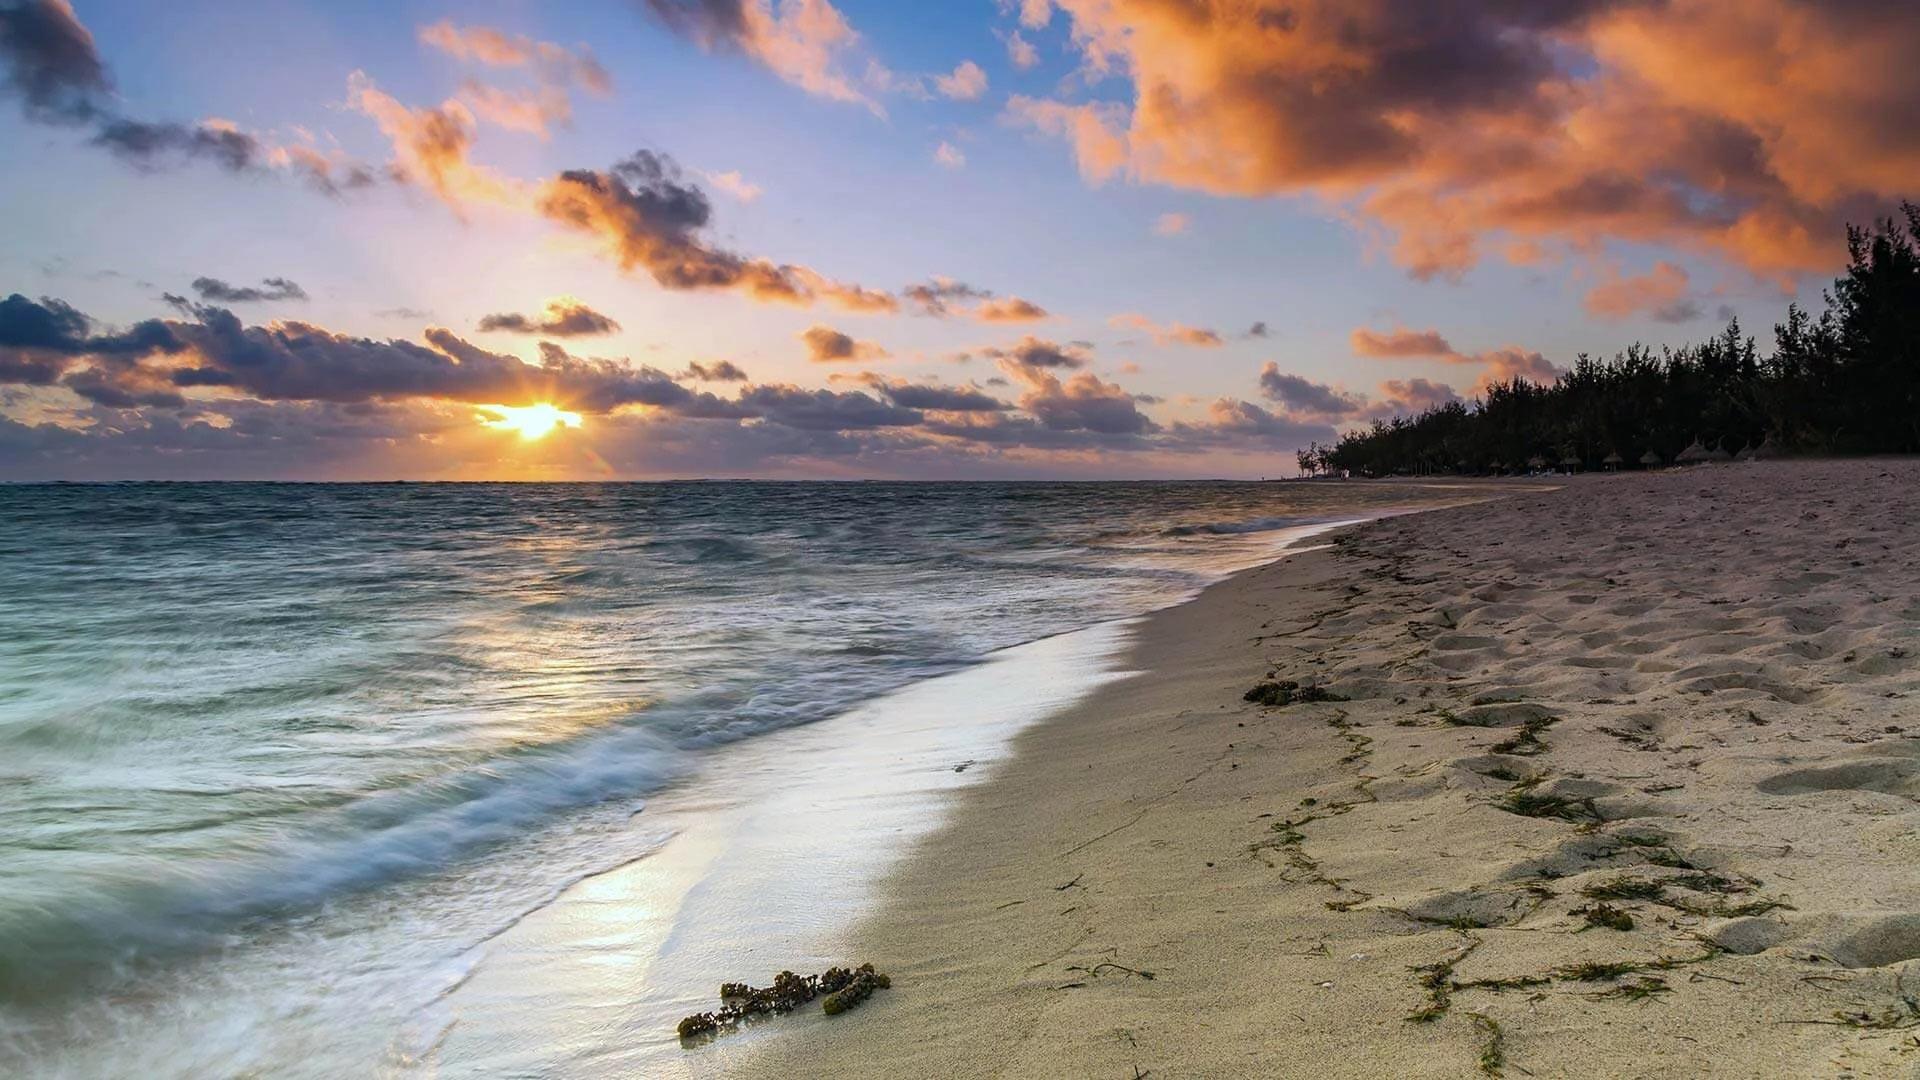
(861, 239)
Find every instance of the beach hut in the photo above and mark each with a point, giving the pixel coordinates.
(1719, 452)
(1536, 463)
(1570, 463)
(1694, 454)
(1650, 460)
(1613, 461)
(1768, 449)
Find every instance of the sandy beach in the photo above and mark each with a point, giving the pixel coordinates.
(1621, 781)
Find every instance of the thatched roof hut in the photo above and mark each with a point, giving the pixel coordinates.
(1694, 454)
(1536, 463)
(1570, 463)
(1650, 459)
(1768, 449)
(1613, 460)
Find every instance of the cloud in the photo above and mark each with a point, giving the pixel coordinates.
(50, 62)
(1399, 343)
(1750, 129)
(1009, 309)
(1509, 363)
(1661, 292)
(715, 371)
(932, 396)
(942, 297)
(1035, 14)
(147, 145)
(208, 395)
(949, 155)
(649, 218)
(1231, 421)
(735, 185)
(1171, 334)
(803, 42)
(1172, 224)
(1497, 365)
(273, 288)
(564, 317)
(1411, 396)
(818, 410)
(1020, 52)
(966, 83)
(1303, 397)
(825, 345)
(1082, 403)
(533, 110)
(556, 65)
(1031, 354)
(432, 147)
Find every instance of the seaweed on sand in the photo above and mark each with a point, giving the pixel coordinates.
(1288, 692)
(843, 988)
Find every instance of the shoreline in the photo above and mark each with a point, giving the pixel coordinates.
(1299, 882)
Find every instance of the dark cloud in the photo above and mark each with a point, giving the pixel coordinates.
(273, 288)
(715, 371)
(50, 62)
(563, 317)
(1303, 396)
(149, 145)
(1410, 396)
(1033, 353)
(1257, 330)
(651, 218)
(817, 410)
(932, 396)
(937, 296)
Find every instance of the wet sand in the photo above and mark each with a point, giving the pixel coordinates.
(1684, 701)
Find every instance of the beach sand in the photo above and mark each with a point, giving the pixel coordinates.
(1701, 689)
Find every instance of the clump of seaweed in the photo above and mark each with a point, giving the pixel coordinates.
(843, 988)
(1645, 988)
(1493, 1046)
(1535, 804)
(1288, 692)
(1624, 889)
(1526, 742)
(1606, 916)
(1437, 980)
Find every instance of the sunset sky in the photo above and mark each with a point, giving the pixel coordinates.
(794, 238)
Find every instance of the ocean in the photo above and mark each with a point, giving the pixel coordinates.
(290, 775)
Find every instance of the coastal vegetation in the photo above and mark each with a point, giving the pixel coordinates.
(1844, 382)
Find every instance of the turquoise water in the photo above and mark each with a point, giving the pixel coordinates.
(230, 712)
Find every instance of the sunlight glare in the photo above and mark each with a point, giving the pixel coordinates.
(530, 421)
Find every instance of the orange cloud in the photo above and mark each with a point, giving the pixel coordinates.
(1399, 342)
(1171, 334)
(1749, 129)
(431, 147)
(1661, 292)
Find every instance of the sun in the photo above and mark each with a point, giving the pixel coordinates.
(534, 421)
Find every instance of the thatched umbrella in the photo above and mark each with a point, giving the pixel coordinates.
(1570, 463)
(1719, 452)
(1613, 460)
(1768, 449)
(1536, 463)
(1694, 454)
(1650, 459)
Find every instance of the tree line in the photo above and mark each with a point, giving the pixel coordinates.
(1847, 382)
